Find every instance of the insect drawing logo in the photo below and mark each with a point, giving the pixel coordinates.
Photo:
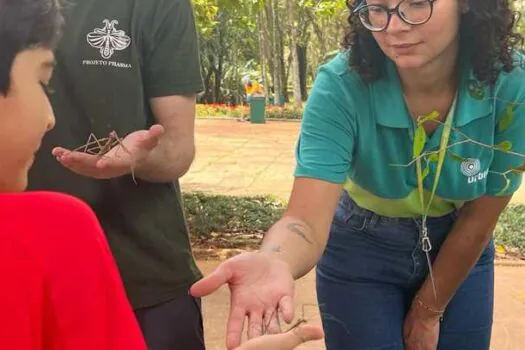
(108, 39)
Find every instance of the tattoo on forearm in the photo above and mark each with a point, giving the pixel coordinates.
(297, 228)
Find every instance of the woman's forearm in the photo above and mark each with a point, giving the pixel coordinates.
(461, 250)
(295, 242)
(457, 257)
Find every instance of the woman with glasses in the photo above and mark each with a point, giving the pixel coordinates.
(410, 148)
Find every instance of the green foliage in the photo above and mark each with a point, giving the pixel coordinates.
(519, 5)
(231, 34)
(205, 16)
(510, 230)
(207, 213)
(506, 120)
(420, 139)
(222, 214)
(288, 112)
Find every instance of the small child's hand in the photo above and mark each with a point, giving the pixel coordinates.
(284, 341)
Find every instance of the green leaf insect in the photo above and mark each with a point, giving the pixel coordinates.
(420, 138)
(425, 118)
(507, 118)
(504, 146)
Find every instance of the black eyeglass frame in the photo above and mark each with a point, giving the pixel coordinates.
(390, 12)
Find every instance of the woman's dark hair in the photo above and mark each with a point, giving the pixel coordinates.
(26, 24)
(487, 39)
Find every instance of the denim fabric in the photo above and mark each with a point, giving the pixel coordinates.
(372, 268)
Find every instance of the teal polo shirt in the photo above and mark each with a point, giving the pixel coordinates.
(361, 135)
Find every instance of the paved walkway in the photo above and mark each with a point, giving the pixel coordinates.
(240, 158)
(509, 315)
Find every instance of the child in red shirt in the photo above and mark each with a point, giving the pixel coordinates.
(61, 288)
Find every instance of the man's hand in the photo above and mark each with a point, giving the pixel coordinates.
(261, 287)
(120, 160)
(284, 341)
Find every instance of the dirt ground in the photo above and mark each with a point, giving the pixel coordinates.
(509, 318)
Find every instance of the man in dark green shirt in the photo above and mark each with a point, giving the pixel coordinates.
(132, 66)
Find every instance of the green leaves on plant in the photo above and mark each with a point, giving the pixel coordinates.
(420, 138)
(209, 213)
(507, 118)
(426, 171)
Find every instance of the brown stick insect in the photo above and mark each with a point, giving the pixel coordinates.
(302, 320)
(100, 147)
(297, 323)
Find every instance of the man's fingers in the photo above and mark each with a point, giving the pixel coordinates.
(235, 326)
(80, 158)
(156, 130)
(152, 137)
(286, 309)
(59, 151)
(79, 163)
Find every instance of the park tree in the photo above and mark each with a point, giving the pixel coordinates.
(280, 42)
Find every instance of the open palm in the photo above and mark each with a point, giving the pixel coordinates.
(261, 288)
(120, 160)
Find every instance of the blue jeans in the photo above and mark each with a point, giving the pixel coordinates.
(371, 270)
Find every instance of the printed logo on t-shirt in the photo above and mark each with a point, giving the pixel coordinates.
(108, 40)
(471, 168)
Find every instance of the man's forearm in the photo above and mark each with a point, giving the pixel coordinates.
(169, 161)
(294, 242)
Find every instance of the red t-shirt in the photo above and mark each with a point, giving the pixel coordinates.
(61, 288)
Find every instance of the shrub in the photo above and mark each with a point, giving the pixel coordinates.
(207, 213)
(210, 214)
(510, 231)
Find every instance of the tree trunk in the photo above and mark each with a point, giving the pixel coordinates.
(262, 49)
(296, 75)
(303, 66)
(283, 71)
(273, 15)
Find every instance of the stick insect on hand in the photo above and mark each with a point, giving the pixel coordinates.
(112, 156)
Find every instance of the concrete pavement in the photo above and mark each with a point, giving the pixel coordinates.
(240, 158)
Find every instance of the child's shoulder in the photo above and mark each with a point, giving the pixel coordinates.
(47, 219)
(42, 204)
